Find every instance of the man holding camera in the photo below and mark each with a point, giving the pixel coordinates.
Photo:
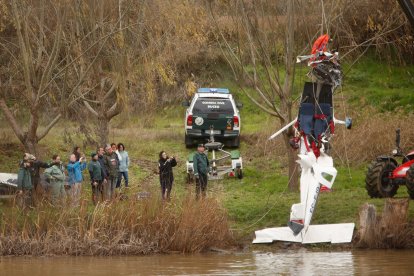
(24, 181)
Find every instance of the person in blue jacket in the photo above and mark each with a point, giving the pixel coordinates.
(75, 177)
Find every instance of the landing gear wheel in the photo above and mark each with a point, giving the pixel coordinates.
(239, 173)
(377, 181)
(188, 141)
(410, 181)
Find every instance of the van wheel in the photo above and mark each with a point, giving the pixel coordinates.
(236, 142)
(188, 141)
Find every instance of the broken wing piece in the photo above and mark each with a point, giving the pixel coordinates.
(8, 185)
(323, 233)
(347, 122)
(274, 135)
(9, 179)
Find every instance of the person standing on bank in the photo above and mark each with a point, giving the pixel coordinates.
(75, 169)
(201, 167)
(165, 165)
(101, 159)
(24, 182)
(123, 165)
(35, 166)
(57, 177)
(95, 171)
(111, 162)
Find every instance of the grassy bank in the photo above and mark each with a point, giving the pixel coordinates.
(261, 198)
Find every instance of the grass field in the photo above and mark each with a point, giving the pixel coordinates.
(261, 198)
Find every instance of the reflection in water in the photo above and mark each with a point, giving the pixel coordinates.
(303, 262)
(298, 262)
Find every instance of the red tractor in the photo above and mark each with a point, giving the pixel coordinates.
(385, 175)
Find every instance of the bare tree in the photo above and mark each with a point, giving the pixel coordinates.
(49, 60)
(109, 105)
(103, 90)
(257, 57)
(33, 56)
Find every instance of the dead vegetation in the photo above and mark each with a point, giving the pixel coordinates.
(371, 135)
(125, 228)
(391, 229)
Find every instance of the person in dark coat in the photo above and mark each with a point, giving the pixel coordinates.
(24, 182)
(35, 167)
(165, 165)
(201, 168)
(101, 152)
(111, 163)
(95, 172)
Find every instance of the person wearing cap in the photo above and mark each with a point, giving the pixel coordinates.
(75, 178)
(201, 165)
(24, 182)
(95, 172)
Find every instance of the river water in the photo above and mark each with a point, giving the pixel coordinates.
(298, 262)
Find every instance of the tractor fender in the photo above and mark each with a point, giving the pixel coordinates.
(387, 158)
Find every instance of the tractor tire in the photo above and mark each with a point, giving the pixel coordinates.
(377, 182)
(410, 181)
(188, 141)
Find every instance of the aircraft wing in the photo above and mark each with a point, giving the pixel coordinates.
(323, 233)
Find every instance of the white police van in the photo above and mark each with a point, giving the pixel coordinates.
(212, 110)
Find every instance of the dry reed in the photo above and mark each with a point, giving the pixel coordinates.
(371, 135)
(121, 228)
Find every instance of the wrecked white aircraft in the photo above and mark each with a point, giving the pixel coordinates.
(314, 127)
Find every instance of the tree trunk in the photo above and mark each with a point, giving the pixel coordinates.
(102, 130)
(292, 165)
(389, 230)
(30, 147)
(285, 101)
(367, 224)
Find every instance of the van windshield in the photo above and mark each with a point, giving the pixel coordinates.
(209, 105)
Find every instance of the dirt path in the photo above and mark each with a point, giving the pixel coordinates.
(151, 170)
